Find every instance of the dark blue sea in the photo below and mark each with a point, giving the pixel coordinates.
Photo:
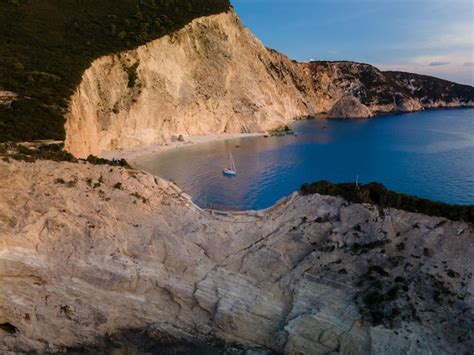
(428, 154)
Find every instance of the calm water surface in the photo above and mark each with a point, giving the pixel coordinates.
(428, 154)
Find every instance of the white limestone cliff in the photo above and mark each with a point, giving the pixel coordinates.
(213, 76)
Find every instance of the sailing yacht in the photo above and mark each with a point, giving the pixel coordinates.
(232, 171)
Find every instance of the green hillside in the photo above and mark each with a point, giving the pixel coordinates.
(48, 44)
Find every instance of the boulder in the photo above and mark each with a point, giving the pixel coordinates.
(350, 107)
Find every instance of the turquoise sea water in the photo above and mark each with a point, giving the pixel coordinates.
(428, 154)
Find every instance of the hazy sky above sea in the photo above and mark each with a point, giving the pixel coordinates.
(433, 37)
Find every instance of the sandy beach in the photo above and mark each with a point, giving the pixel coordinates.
(134, 154)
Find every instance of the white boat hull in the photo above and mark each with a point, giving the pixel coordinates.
(229, 172)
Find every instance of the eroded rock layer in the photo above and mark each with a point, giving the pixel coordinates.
(88, 251)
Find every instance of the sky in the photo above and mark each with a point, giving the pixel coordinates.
(432, 37)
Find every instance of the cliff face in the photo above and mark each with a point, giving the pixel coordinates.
(381, 92)
(47, 45)
(213, 76)
(331, 81)
(88, 251)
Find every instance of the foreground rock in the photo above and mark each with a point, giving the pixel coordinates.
(349, 107)
(88, 251)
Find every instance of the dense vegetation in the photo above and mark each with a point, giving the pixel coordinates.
(32, 152)
(432, 88)
(48, 44)
(389, 87)
(377, 194)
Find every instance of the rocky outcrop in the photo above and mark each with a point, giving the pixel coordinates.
(88, 251)
(331, 81)
(7, 97)
(349, 107)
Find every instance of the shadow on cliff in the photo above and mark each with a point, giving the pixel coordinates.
(143, 342)
(49, 44)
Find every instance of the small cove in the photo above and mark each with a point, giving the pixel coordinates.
(429, 154)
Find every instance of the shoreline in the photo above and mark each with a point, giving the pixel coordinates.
(133, 155)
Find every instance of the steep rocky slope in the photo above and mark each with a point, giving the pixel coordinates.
(380, 91)
(88, 251)
(211, 76)
(434, 92)
(48, 44)
(214, 76)
(331, 81)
